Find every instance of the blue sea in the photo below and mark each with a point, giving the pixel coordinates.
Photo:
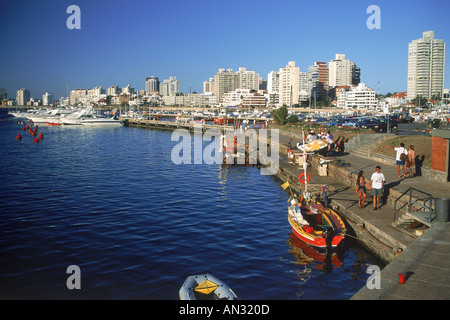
(112, 202)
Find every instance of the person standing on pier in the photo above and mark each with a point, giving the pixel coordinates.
(401, 159)
(376, 186)
(361, 189)
(411, 161)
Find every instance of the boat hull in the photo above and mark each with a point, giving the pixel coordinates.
(319, 242)
(102, 123)
(309, 231)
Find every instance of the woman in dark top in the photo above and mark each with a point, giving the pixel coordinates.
(361, 189)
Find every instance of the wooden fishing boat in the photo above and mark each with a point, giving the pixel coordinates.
(312, 221)
(206, 287)
(316, 224)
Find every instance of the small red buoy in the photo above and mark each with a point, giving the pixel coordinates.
(19, 137)
(41, 136)
(36, 140)
(23, 128)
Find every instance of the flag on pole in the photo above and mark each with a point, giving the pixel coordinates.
(285, 185)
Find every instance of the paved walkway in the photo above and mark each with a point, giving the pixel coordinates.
(424, 259)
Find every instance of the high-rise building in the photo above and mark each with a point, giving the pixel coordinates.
(77, 95)
(248, 79)
(3, 95)
(114, 90)
(22, 97)
(426, 65)
(289, 85)
(151, 85)
(342, 72)
(304, 86)
(128, 90)
(356, 74)
(273, 82)
(169, 87)
(225, 81)
(47, 99)
(208, 86)
(318, 77)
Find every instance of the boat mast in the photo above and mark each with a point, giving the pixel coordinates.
(304, 164)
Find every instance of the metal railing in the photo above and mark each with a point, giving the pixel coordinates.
(412, 201)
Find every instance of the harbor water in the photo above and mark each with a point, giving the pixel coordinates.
(112, 202)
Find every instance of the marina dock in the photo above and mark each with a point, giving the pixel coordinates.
(423, 258)
(173, 125)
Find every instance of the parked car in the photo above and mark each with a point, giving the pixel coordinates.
(379, 125)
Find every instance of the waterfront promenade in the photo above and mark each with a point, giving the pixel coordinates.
(425, 259)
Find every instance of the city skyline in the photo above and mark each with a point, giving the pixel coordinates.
(120, 44)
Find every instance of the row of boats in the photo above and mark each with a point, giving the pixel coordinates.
(62, 116)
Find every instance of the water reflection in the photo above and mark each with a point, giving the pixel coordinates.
(305, 254)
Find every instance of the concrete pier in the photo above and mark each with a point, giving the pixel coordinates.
(423, 255)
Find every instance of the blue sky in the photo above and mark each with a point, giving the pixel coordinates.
(122, 42)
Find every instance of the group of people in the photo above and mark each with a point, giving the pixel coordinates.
(333, 146)
(376, 183)
(405, 158)
(375, 187)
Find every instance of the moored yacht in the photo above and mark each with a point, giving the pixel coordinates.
(101, 121)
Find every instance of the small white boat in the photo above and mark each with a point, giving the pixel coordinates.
(87, 117)
(206, 287)
(100, 121)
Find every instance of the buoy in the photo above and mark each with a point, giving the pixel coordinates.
(36, 140)
(19, 137)
(41, 136)
(300, 178)
(23, 128)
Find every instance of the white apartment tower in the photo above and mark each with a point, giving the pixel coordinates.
(151, 85)
(341, 71)
(47, 99)
(289, 84)
(114, 90)
(426, 65)
(273, 82)
(208, 86)
(22, 97)
(169, 87)
(225, 81)
(248, 79)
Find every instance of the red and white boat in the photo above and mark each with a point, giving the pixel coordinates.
(316, 224)
(312, 221)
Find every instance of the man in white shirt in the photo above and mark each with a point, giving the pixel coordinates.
(400, 163)
(376, 186)
(311, 137)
